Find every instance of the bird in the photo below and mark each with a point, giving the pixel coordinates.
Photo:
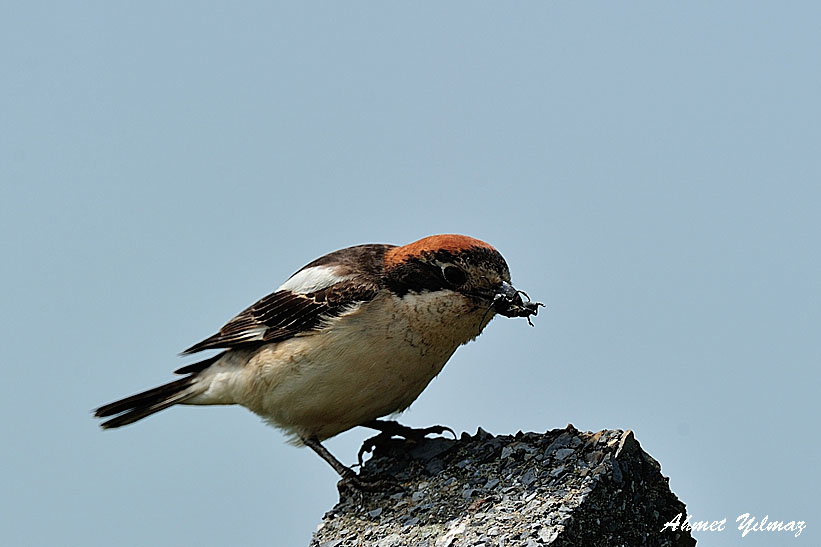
(352, 337)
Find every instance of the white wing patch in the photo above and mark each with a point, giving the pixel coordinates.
(256, 333)
(313, 279)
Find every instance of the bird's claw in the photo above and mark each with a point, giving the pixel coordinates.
(375, 484)
(408, 433)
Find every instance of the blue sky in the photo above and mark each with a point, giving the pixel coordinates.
(650, 171)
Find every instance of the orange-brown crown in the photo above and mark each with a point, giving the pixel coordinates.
(453, 243)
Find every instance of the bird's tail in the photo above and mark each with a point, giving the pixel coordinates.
(137, 407)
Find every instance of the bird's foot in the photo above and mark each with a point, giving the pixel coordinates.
(389, 429)
(349, 476)
(368, 484)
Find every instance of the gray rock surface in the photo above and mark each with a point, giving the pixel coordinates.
(559, 488)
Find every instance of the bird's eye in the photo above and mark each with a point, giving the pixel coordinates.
(455, 276)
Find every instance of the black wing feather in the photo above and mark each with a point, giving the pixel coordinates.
(284, 314)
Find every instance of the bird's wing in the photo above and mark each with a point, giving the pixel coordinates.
(284, 314)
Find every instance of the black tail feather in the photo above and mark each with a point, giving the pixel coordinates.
(199, 366)
(138, 406)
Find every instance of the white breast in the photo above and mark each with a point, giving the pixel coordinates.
(370, 362)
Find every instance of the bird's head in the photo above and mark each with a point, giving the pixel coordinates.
(461, 264)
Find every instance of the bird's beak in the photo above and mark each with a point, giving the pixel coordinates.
(508, 302)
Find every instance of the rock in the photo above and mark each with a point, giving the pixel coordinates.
(561, 488)
(529, 477)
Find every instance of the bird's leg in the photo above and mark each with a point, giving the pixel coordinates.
(346, 472)
(391, 428)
